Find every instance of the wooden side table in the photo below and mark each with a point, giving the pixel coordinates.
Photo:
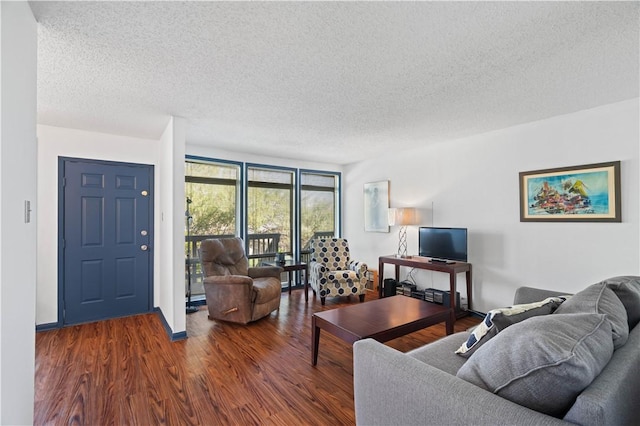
(419, 262)
(290, 266)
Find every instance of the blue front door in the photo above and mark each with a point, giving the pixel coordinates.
(107, 234)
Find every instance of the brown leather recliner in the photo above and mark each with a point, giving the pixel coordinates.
(234, 291)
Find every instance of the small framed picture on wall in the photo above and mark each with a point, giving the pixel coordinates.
(376, 206)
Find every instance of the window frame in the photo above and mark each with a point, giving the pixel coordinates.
(239, 183)
(292, 203)
(296, 187)
(337, 191)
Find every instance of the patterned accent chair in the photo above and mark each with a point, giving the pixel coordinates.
(235, 292)
(332, 272)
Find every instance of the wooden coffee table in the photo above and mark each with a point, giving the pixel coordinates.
(380, 319)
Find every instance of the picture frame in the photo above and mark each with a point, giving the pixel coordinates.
(376, 206)
(587, 193)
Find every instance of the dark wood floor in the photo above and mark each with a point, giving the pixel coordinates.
(126, 371)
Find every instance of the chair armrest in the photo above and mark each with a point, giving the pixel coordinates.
(265, 271)
(228, 279)
(317, 269)
(359, 267)
(393, 388)
(229, 297)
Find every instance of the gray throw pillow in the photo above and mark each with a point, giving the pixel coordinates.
(497, 320)
(627, 288)
(600, 299)
(543, 363)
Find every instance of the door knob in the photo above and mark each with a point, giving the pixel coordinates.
(144, 247)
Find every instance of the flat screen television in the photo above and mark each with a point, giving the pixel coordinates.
(443, 243)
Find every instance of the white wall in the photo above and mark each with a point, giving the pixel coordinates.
(54, 142)
(269, 157)
(473, 183)
(171, 249)
(17, 184)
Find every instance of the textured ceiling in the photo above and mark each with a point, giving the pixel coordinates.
(333, 82)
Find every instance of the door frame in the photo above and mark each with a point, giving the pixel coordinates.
(61, 168)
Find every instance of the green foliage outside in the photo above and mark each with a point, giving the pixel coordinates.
(269, 212)
(213, 207)
(318, 214)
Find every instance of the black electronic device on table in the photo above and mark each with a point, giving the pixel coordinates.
(443, 245)
(390, 287)
(441, 297)
(448, 262)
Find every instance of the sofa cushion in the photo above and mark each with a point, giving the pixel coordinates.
(613, 397)
(627, 288)
(543, 363)
(438, 354)
(600, 299)
(497, 320)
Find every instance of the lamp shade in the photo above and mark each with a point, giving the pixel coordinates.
(404, 216)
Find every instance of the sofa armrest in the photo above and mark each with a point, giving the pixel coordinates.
(265, 272)
(532, 294)
(393, 388)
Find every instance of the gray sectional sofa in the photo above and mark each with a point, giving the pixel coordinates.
(586, 334)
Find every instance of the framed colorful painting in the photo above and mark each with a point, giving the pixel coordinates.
(589, 193)
(376, 206)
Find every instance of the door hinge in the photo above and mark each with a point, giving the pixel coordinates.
(64, 181)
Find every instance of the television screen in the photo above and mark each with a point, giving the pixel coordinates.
(443, 243)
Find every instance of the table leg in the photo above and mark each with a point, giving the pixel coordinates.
(449, 324)
(452, 302)
(290, 273)
(469, 289)
(315, 341)
(380, 278)
(306, 283)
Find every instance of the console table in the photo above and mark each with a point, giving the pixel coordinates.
(419, 262)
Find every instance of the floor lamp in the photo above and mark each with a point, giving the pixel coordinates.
(402, 217)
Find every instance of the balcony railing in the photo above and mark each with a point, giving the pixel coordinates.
(261, 248)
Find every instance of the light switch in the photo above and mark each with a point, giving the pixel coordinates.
(27, 211)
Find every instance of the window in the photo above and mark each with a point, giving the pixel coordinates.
(274, 209)
(318, 208)
(212, 203)
(270, 212)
